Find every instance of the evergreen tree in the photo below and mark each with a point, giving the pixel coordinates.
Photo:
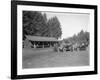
(36, 24)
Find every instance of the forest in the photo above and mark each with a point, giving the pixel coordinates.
(35, 23)
(81, 37)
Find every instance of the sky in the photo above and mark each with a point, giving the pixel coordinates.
(71, 23)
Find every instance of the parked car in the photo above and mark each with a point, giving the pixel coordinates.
(82, 46)
(68, 47)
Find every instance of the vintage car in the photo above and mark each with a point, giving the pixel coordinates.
(82, 46)
(69, 47)
(66, 47)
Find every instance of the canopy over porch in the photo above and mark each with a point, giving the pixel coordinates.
(39, 38)
(42, 42)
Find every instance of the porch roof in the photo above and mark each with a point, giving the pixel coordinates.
(39, 38)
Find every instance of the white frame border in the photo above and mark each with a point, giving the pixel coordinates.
(21, 71)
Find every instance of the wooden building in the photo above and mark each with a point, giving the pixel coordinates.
(42, 42)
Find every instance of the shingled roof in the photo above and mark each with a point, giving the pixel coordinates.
(39, 38)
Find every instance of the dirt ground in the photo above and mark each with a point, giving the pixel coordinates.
(48, 58)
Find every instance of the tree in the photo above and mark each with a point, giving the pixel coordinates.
(36, 24)
(45, 17)
(54, 27)
(33, 23)
(79, 38)
(83, 36)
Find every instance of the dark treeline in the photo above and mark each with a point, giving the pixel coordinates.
(36, 24)
(82, 36)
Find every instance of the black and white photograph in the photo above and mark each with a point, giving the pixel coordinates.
(52, 40)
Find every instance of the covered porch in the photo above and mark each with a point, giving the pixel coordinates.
(42, 42)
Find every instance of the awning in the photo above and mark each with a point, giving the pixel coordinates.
(39, 38)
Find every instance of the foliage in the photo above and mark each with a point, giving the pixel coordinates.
(36, 24)
(33, 23)
(79, 38)
(54, 27)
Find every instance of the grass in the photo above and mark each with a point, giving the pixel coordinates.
(41, 58)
